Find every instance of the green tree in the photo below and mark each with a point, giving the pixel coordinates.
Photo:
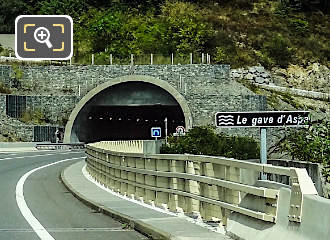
(9, 10)
(73, 8)
(100, 29)
(204, 141)
(279, 50)
(186, 29)
(311, 144)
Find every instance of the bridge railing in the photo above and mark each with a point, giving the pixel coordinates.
(134, 146)
(201, 186)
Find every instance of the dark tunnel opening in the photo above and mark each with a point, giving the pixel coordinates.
(127, 111)
(132, 122)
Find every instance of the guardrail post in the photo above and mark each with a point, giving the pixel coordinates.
(162, 198)
(131, 176)
(301, 184)
(123, 175)
(140, 193)
(211, 212)
(192, 187)
(233, 175)
(151, 181)
(175, 202)
(112, 172)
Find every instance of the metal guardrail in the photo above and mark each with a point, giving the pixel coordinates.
(59, 146)
(210, 187)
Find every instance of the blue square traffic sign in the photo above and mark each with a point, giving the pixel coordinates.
(156, 132)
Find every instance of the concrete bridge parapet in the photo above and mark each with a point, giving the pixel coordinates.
(215, 189)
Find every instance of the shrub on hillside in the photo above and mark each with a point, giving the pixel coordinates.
(279, 50)
(300, 26)
(311, 144)
(4, 89)
(36, 116)
(204, 141)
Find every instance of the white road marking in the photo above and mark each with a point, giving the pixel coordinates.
(20, 153)
(26, 212)
(114, 229)
(41, 155)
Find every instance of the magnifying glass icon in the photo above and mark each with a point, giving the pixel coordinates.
(42, 35)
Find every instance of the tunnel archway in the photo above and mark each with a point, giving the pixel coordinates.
(126, 108)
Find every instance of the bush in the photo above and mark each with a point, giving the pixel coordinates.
(204, 141)
(300, 26)
(279, 50)
(4, 89)
(221, 56)
(36, 117)
(310, 144)
(17, 72)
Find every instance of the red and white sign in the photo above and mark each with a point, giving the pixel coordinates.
(180, 131)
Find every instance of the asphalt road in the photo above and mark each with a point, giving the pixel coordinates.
(58, 211)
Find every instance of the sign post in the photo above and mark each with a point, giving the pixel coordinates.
(165, 121)
(262, 120)
(263, 149)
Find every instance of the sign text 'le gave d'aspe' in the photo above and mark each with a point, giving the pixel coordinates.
(262, 119)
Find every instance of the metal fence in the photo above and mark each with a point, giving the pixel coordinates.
(103, 58)
(15, 106)
(45, 133)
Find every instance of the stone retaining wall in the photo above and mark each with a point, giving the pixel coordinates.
(314, 78)
(207, 88)
(297, 92)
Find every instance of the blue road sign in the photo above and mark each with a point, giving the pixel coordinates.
(156, 132)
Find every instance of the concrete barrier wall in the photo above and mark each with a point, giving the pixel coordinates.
(203, 186)
(315, 224)
(313, 170)
(18, 144)
(131, 146)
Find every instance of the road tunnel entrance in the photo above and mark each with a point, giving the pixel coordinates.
(131, 122)
(124, 111)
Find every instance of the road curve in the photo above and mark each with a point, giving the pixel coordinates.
(62, 215)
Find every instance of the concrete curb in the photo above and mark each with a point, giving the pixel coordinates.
(138, 225)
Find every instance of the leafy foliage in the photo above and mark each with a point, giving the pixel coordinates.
(179, 28)
(36, 117)
(16, 73)
(9, 10)
(236, 32)
(74, 8)
(310, 144)
(279, 50)
(300, 26)
(185, 29)
(204, 141)
(4, 89)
